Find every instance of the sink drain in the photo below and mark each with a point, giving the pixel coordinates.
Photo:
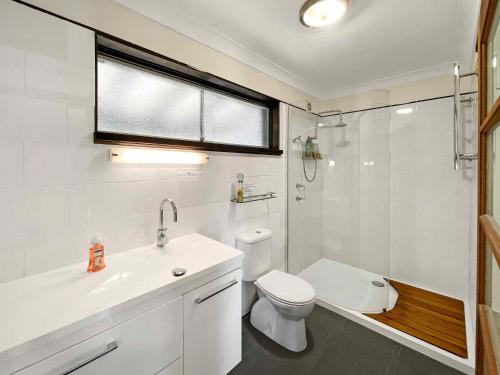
(178, 272)
(378, 284)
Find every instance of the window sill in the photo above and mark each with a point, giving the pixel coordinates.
(154, 142)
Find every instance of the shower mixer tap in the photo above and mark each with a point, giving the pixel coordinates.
(302, 192)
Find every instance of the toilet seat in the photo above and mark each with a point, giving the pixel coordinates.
(286, 288)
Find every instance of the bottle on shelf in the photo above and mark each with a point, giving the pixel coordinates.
(240, 191)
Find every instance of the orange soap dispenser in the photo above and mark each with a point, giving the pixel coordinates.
(96, 254)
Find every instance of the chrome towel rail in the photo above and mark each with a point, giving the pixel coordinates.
(457, 153)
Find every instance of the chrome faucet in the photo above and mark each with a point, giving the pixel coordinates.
(161, 238)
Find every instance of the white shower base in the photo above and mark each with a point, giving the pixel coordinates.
(350, 287)
(338, 286)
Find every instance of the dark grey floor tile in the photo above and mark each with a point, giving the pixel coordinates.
(411, 362)
(337, 364)
(370, 348)
(336, 345)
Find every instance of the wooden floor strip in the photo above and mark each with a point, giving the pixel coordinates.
(431, 317)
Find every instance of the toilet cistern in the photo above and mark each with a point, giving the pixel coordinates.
(161, 238)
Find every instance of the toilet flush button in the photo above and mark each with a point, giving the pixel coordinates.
(258, 232)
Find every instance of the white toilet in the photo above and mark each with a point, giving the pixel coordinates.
(284, 299)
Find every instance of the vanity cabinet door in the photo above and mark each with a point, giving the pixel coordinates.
(143, 345)
(212, 326)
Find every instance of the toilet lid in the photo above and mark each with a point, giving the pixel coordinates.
(286, 287)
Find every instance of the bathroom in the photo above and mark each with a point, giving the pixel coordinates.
(285, 187)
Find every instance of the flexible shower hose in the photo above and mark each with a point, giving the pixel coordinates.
(302, 151)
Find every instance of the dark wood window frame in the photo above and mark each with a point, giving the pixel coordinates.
(136, 55)
(488, 228)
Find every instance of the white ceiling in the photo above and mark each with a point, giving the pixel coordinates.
(378, 40)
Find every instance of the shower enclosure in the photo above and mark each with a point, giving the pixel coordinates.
(383, 184)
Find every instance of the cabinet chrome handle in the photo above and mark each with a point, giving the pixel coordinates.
(109, 348)
(217, 291)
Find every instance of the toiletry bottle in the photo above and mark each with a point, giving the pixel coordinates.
(317, 154)
(240, 192)
(96, 254)
(308, 148)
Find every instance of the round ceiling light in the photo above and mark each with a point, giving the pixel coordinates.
(319, 13)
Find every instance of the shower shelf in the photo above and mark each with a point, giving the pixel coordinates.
(254, 198)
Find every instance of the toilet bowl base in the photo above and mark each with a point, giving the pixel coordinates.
(290, 334)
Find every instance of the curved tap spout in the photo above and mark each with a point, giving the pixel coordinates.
(162, 239)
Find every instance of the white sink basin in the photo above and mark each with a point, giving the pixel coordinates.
(41, 304)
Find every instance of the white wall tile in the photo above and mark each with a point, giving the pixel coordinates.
(215, 216)
(279, 256)
(11, 256)
(51, 248)
(81, 46)
(46, 206)
(168, 189)
(62, 188)
(46, 163)
(166, 173)
(80, 125)
(30, 30)
(224, 189)
(383, 217)
(50, 78)
(30, 119)
(85, 163)
(11, 69)
(93, 202)
(145, 197)
(115, 172)
(195, 191)
(426, 193)
(111, 200)
(80, 207)
(11, 163)
(130, 232)
(12, 213)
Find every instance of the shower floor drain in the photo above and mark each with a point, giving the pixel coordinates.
(378, 284)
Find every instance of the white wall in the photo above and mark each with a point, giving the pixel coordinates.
(430, 201)
(115, 19)
(406, 89)
(57, 188)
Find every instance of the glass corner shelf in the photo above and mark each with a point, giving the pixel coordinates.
(255, 198)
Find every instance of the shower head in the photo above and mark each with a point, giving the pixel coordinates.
(338, 112)
(340, 125)
(328, 126)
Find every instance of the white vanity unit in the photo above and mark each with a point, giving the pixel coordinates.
(133, 317)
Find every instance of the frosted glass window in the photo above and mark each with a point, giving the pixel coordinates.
(132, 100)
(233, 121)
